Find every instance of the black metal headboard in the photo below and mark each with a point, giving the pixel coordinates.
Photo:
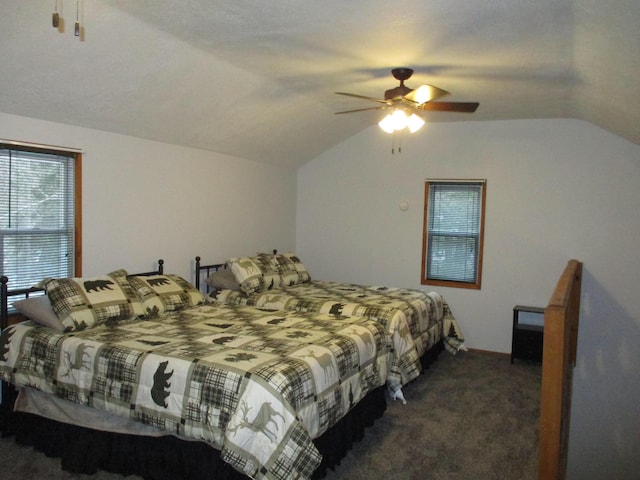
(206, 270)
(203, 271)
(5, 293)
(158, 271)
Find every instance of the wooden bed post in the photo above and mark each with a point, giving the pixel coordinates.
(558, 360)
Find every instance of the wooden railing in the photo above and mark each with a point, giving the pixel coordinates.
(558, 361)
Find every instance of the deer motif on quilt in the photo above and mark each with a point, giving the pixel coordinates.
(265, 420)
(81, 359)
(249, 267)
(325, 361)
(366, 338)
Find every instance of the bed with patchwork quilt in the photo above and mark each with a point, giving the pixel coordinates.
(265, 389)
(413, 319)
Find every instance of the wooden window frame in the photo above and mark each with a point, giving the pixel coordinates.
(424, 280)
(77, 172)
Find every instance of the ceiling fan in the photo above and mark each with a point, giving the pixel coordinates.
(420, 98)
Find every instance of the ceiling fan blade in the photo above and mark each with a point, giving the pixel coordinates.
(464, 107)
(362, 96)
(423, 94)
(362, 109)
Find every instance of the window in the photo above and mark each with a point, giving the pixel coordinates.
(39, 214)
(453, 233)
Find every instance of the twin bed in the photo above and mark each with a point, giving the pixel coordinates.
(273, 377)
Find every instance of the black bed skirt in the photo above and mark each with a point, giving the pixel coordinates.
(83, 450)
(431, 355)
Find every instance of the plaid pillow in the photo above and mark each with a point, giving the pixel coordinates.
(254, 274)
(165, 293)
(270, 272)
(82, 303)
(284, 266)
(303, 274)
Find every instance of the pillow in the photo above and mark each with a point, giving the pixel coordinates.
(270, 272)
(39, 310)
(303, 274)
(81, 303)
(285, 267)
(254, 274)
(223, 280)
(165, 293)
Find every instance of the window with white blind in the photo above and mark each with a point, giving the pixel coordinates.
(39, 214)
(453, 233)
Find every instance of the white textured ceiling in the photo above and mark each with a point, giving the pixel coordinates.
(255, 79)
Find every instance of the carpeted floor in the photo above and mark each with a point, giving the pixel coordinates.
(471, 416)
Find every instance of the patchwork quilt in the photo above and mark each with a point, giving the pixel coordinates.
(394, 307)
(257, 385)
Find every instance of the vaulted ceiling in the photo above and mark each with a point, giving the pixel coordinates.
(255, 79)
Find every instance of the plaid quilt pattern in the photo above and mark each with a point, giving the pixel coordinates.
(165, 293)
(83, 303)
(413, 319)
(256, 384)
(253, 274)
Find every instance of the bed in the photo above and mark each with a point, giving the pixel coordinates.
(416, 321)
(143, 377)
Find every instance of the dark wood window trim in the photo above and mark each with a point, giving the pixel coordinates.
(424, 280)
(77, 155)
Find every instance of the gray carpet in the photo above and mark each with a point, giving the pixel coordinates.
(470, 416)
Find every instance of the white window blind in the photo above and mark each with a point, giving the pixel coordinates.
(453, 231)
(37, 216)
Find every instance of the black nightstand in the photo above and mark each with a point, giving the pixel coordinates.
(527, 338)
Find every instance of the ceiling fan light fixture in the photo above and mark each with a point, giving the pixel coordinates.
(398, 120)
(414, 123)
(393, 121)
(387, 124)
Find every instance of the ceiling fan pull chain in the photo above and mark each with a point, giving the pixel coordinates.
(396, 134)
(55, 18)
(76, 26)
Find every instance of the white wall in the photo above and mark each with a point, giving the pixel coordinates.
(556, 190)
(144, 200)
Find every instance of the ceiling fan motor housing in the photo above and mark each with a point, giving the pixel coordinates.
(400, 91)
(400, 74)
